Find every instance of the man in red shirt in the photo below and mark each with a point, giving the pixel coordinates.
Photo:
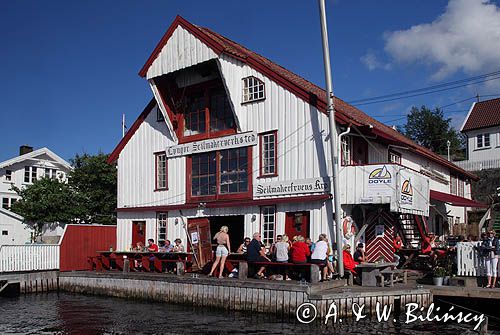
(152, 246)
(300, 251)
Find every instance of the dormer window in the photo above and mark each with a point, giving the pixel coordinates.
(8, 175)
(253, 89)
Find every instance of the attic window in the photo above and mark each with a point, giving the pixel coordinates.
(253, 89)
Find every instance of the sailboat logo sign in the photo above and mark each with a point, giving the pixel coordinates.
(380, 176)
(407, 192)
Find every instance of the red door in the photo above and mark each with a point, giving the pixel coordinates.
(138, 232)
(359, 151)
(199, 234)
(297, 223)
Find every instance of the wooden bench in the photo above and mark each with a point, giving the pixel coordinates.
(312, 268)
(157, 264)
(393, 276)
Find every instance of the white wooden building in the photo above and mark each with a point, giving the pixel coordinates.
(21, 171)
(481, 128)
(231, 138)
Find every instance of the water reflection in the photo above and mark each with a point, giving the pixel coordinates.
(77, 314)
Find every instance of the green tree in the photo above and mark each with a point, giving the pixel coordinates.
(48, 201)
(95, 180)
(430, 129)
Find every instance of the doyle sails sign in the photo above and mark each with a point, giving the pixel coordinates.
(381, 181)
(220, 143)
(292, 187)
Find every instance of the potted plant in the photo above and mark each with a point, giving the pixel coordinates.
(439, 274)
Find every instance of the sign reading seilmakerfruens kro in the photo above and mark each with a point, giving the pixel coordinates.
(220, 143)
(292, 187)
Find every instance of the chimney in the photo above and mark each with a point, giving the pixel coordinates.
(24, 149)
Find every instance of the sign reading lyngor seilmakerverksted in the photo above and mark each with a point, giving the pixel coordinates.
(220, 143)
(292, 187)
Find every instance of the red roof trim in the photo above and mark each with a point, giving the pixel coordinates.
(236, 203)
(455, 200)
(116, 153)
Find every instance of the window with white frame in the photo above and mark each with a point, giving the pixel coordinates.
(394, 157)
(161, 219)
(253, 89)
(483, 141)
(50, 173)
(268, 224)
(5, 203)
(161, 171)
(268, 154)
(8, 175)
(345, 151)
(30, 174)
(5, 232)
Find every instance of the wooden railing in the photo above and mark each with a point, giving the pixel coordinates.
(29, 257)
(468, 261)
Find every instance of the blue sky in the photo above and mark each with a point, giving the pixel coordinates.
(69, 69)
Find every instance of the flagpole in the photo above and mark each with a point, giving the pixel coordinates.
(123, 125)
(333, 136)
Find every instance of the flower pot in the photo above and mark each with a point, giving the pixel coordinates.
(446, 280)
(438, 281)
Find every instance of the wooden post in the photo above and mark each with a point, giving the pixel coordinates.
(180, 268)
(314, 271)
(126, 265)
(243, 270)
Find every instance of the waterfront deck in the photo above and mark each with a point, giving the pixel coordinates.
(278, 297)
(464, 292)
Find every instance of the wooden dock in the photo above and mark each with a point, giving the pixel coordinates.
(465, 292)
(28, 282)
(277, 297)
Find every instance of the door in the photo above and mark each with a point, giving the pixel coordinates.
(138, 232)
(359, 151)
(201, 241)
(297, 223)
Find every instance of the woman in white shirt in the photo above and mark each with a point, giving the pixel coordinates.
(320, 255)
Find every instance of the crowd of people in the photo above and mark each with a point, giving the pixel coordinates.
(165, 246)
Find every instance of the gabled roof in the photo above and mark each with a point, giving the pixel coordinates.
(33, 155)
(4, 211)
(483, 114)
(304, 89)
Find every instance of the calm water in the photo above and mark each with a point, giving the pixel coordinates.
(77, 314)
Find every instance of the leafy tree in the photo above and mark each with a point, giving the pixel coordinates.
(95, 180)
(432, 130)
(48, 201)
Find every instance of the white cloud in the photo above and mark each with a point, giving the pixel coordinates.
(372, 63)
(466, 37)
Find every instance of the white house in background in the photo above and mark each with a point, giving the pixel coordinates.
(231, 138)
(482, 130)
(21, 171)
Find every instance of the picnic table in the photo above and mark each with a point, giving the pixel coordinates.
(370, 271)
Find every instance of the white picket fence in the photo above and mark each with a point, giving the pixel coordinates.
(29, 257)
(468, 261)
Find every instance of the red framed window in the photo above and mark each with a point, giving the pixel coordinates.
(269, 154)
(206, 113)
(220, 175)
(161, 171)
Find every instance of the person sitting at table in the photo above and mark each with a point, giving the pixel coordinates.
(310, 244)
(359, 254)
(222, 251)
(349, 262)
(272, 249)
(300, 251)
(320, 255)
(167, 246)
(178, 247)
(256, 252)
(139, 246)
(243, 247)
(152, 246)
(282, 248)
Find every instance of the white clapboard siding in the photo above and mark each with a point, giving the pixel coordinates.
(468, 261)
(182, 50)
(29, 257)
